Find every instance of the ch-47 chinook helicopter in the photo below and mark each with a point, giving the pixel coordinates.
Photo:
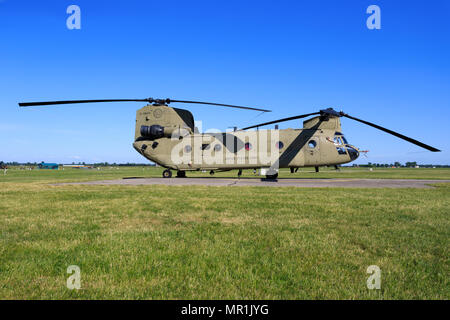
(168, 137)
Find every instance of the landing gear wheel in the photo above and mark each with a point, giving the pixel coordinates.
(167, 173)
(272, 176)
(181, 174)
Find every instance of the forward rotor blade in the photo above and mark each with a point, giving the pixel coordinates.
(47, 103)
(411, 140)
(281, 120)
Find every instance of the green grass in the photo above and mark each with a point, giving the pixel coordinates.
(175, 242)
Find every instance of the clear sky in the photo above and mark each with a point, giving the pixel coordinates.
(292, 57)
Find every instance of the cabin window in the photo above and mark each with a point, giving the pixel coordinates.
(217, 147)
(279, 145)
(248, 146)
(312, 144)
(206, 146)
(187, 149)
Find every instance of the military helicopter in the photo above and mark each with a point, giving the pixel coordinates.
(168, 137)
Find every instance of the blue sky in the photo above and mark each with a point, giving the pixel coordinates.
(292, 57)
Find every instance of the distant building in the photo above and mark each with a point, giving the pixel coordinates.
(53, 166)
(77, 166)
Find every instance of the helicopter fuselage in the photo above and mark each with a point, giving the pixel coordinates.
(167, 136)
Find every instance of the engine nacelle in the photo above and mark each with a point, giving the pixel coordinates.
(152, 132)
(156, 131)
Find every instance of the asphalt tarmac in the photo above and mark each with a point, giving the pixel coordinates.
(281, 182)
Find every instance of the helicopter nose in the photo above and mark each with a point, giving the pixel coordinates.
(353, 153)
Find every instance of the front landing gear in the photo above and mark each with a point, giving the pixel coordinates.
(167, 173)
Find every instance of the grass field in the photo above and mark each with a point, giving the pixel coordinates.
(196, 242)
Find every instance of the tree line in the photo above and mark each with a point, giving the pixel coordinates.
(410, 164)
(97, 164)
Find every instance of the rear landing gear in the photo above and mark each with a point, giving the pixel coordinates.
(167, 173)
(272, 176)
(181, 174)
(317, 169)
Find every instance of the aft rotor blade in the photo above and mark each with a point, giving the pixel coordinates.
(281, 120)
(47, 103)
(411, 140)
(149, 100)
(220, 104)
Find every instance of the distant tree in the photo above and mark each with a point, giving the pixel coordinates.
(397, 164)
(411, 164)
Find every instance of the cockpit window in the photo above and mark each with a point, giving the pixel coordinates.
(341, 150)
(339, 139)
